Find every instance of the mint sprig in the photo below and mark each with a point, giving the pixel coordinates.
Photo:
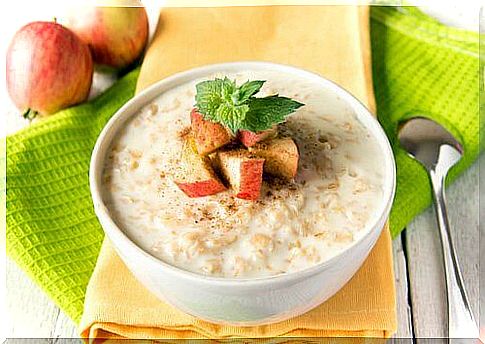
(237, 108)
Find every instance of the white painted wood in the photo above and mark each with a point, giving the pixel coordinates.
(32, 314)
(44, 341)
(64, 328)
(404, 329)
(426, 281)
(26, 341)
(464, 219)
(426, 273)
(65, 341)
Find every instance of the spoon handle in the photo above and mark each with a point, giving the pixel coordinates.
(461, 323)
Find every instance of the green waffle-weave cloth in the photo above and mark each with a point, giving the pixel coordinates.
(52, 231)
(423, 68)
(53, 234)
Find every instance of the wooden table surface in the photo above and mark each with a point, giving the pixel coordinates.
(421, 300)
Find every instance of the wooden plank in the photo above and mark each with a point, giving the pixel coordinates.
(64, 328)
(464, 219)
(404, 317)
(426, 275)
(65, 341)
(32, 314)
(43, 341)
(427, 286)
(27, 341)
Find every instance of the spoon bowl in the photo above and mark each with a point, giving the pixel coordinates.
(427, 142)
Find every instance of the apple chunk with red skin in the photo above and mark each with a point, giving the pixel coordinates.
(243, 171)
(208, 136)
(281, 157)
(195, 175)
(249, 138)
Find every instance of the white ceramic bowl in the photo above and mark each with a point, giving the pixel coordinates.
(242, 302)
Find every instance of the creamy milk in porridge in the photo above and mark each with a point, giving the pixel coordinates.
(293, 225)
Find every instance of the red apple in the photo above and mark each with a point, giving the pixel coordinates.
(195, 175)
(281, 157)
(248, 138)
(208, 136)
(243, 171)
(48, 68)
(116, 35)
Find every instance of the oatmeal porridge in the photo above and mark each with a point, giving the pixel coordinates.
(293, 224)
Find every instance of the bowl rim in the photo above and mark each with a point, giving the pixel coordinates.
(143, 98)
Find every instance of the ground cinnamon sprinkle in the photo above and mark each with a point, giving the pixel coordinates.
(293, 225)
(184, 132)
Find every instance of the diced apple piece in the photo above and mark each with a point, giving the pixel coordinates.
(208, 136)
(281, 157)
(195, 175)
(249, 139)
(243, 171)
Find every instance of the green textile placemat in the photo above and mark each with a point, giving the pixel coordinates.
(420, 66)
(52, 231)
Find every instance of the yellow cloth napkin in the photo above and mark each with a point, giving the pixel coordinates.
(332, 41)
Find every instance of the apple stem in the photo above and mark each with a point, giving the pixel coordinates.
(30, 114)
(54, 20)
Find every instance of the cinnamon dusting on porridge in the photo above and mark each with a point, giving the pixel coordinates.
(296, 220)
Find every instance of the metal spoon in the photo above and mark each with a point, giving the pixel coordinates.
(437, 150)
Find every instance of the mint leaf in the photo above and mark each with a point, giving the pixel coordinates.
(265, 112)
(249, 89)
(211, 94)
(231, 115)
(222, 101)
